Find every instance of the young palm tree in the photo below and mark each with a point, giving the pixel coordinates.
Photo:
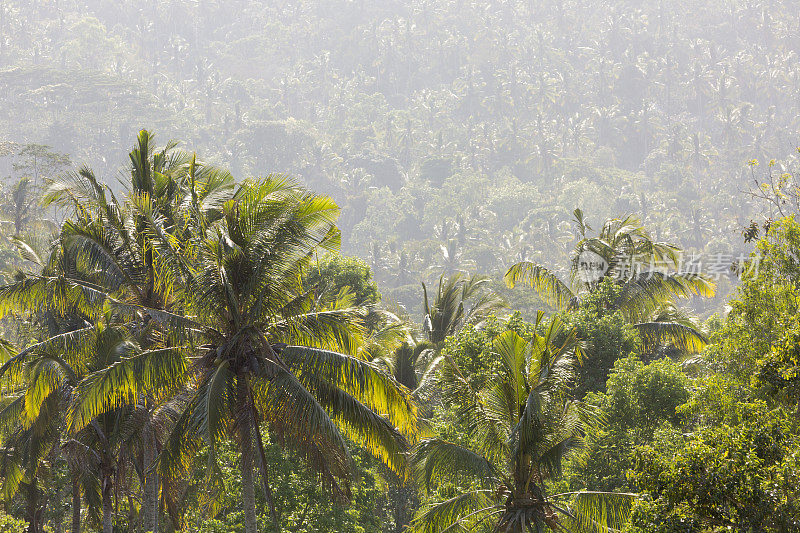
(521, 423)
(459, 300)
(268, 354)
(645, 270)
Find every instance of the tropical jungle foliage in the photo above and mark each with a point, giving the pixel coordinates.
(425, 266)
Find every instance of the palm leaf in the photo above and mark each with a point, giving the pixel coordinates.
(686, 338)
(365, 381)
(552, 290)
(460, 513)
(436, 460)
(597, 512)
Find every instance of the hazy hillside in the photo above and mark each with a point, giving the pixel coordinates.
(431, 121)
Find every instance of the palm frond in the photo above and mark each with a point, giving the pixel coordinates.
(458, 514)
(58, 293)
(436, 460)
(151, 372)
(552, 290)
(597, 512)
(298, 422)
(365, 381)
(645, 292)
(686, 338)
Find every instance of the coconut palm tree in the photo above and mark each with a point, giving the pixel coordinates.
(646, 270)
(116, 239)
(522, 423)
(459, 301)
(114, 267)
(268, 354)
(38, 380)
(110, 424)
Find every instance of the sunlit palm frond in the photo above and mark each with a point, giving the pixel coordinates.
(436, 461)
(552, 290)
(596, 512)
(58, 293)
(686, 338)
(365, 427)
(644, 293)
(150, 373)
(298, 422)
(365, 381)
(335, 329)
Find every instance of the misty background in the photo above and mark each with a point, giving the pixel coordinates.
(454, 135)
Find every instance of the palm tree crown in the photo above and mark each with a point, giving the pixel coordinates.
(522, 423)
(646, 271)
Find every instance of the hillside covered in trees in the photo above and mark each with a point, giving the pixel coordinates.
(424, 266)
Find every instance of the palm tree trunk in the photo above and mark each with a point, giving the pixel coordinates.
(246, 460)
(33, 504)
(76, 506)
(264, 474)
(108, 526)
(248, 488)
(150, 494)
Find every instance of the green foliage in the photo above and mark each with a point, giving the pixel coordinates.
(9, 524)
(759, 329)
(606, 333)
(335, 272)
(721, 478)
(640, 399)
(303, 505)
(516, 424)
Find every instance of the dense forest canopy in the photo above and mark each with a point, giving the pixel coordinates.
(420, 266)
(428, 122)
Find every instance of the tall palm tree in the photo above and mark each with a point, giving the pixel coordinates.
(646, 271)
(116, 269)
(116, 239)
(521, 423)
(268, 354)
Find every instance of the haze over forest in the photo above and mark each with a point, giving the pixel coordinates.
(353, 296)
(487, 123)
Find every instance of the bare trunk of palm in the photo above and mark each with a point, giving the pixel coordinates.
(76, 506)
(33, 509)
(246, 461)
(108, 526)
(150, 496)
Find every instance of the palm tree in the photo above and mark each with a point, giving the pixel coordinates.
(459, 300)
(113, 266)
(521, 423)
(646, 271)
(268, 354)
(39, 381)
(116, 239)
(110, 423)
